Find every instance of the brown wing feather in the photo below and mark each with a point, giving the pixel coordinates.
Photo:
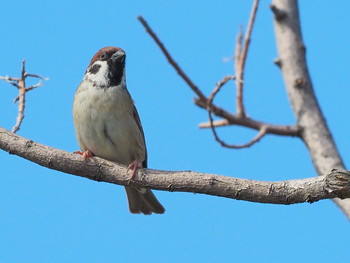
(138, 122)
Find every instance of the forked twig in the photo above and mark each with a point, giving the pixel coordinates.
(228, 118)
(20, 84)
(262, 130)
(218, 87)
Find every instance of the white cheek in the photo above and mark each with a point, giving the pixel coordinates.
(99, 78)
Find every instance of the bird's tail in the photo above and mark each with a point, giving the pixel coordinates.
(142, 200)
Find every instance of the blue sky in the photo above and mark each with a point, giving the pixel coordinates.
(48, 216)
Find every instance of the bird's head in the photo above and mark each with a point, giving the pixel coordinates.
(107, 68)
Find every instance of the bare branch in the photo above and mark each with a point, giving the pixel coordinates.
(217, 123)
(241, 57)
(291, 53)
(30, 88)
(20, 84)
(171, 60)
(39, 84)
(238, 48)
(10, 80)
(21, 107)
(202, 100)
(248, 34)
(21, 98)
(35, 76)
(219, 85)
(262, 131)
(257, 138)
(23, 71)
(245, 121)
(279, 14)
(334, 184)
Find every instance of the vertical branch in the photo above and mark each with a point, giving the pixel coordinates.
(292, 60)
(241, 57)
(21, 98)
(239, 74)
(20, 84)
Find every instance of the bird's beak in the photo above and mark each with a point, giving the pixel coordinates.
(118, 56)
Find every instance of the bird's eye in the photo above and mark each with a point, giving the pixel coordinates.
(103, 55)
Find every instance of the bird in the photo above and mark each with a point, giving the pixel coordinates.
(107, 124)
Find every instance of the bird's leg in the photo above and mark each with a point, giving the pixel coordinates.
(134, 167)
(86, 154)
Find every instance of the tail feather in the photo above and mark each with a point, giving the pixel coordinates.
(142, 200)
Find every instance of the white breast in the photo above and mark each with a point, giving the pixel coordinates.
(104, 124)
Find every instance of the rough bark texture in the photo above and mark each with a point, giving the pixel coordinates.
(334, 184)
(292, 61)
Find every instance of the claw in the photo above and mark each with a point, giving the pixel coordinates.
(86, 154)
(134, 167)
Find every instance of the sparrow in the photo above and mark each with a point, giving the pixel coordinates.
(107, 124)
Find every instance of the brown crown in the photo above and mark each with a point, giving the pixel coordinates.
(108, 50)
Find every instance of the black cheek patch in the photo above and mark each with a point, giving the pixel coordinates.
(94, 68)
(116, 71)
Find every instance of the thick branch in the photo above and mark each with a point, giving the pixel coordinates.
(334, 184)
(292, 61)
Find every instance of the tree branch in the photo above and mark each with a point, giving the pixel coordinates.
(201, 101)
(262, 131)
(334, 184)
(241, 57)
(20, 84)
(171, 60)
(292, 61)
(245, 121)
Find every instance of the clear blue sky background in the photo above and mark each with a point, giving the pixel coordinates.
(48, 216)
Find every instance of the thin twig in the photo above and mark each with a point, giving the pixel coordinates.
(238, 48)
(256, 139)
(21, 107)
(171, 60)
(21, 100)
(249, 31)
(262, 130)
(218, 87)
(245, 121)
(7, 79)
(10, 80)
(241, 56)
(30, 88)
(20, 84)
(238, 71)
(201, 101)
(35, 76)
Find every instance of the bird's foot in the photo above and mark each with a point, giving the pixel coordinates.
(134, 167)
(86, 154)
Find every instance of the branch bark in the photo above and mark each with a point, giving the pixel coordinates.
(241, 57)
(334, 184)
(202, 100)
(292, 61)
(20, 84)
